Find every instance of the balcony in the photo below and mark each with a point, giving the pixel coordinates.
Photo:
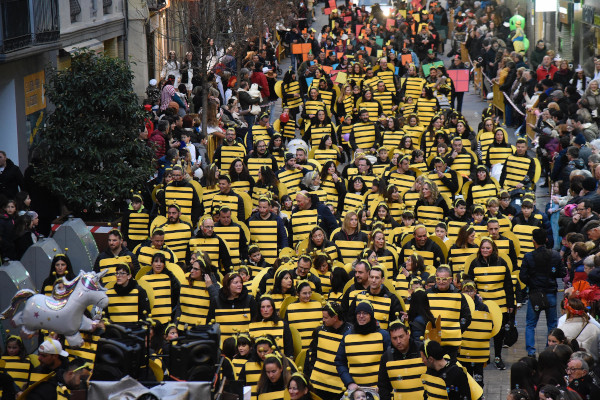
(28, 23)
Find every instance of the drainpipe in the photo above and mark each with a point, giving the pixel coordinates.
(125, 40)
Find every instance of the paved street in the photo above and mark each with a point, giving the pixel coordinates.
(497, 383)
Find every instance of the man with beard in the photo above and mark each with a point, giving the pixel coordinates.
(115, 254)
(177, 233)
(183, 193)
(361, 283)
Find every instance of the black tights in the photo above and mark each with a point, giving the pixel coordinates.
(476, 371)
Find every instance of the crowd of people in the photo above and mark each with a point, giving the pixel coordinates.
(367, 241)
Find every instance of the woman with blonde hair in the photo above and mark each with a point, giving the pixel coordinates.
(431, 206)
(350, 239)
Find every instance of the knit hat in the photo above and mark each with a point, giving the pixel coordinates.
(589, 184)
(289, 156)
(51, 346)
(152, 82)
(579, 139)
(365, 306)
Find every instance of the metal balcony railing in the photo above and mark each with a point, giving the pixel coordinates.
(28, 23)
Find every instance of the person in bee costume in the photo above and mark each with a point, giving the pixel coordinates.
(385, 303)
(136, 222)
(519, 169)
(446, 301)
(319, 363)
(127, 301)
(444, 379)
(401, 366)
(357, 359)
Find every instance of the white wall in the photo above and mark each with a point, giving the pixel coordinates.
(92, 15)
(9, 139)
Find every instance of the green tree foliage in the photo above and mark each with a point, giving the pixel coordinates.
(91, 155)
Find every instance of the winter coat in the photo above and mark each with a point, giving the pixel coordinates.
(11, 179)
(587, 338)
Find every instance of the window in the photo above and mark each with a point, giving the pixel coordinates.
(75, 10)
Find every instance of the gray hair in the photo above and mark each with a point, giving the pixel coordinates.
(583, 355)
(585, 114)
(584, 365)
(595, 144)
(308, 178)
(589, 261)
(583, 172)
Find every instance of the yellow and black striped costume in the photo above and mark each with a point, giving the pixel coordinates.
(194, 303)
(177, 237)
(305, 317)
(303, 221)
(161, 285)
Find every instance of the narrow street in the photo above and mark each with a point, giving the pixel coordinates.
(497, 383)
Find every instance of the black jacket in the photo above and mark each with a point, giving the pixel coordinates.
(7, 247)
(540, 269)
(220, 301)
(135, 267)
(143, 302)
(430, 245)
(11, 179)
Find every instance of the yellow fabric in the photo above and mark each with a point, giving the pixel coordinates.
(194, 301)
(123, 309)
(324, 375)
(448, 306)
(405, 377)
(363, 353)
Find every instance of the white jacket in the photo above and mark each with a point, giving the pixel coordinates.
(587, 339)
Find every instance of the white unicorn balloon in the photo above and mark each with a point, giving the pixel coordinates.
(62, 313)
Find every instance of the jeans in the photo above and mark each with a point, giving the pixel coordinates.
(532, 320)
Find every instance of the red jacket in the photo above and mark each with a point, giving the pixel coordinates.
(157, 140)
(260, 79)
(543, 72)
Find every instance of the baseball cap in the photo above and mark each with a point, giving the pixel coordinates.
(51, 346)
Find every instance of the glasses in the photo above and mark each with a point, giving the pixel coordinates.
(121, 273)
(442, 279)
(569, 369)
(196, 269)
(580, 209)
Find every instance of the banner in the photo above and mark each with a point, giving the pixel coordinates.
(460, 77)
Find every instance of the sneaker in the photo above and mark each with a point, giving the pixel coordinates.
(499, 364)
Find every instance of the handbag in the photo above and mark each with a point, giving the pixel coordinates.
(539, 300)
(255, 110)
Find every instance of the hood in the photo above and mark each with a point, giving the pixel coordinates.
(241, 299)
(9, 163)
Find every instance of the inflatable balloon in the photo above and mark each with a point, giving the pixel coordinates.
(513, 22)
(63, 312)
